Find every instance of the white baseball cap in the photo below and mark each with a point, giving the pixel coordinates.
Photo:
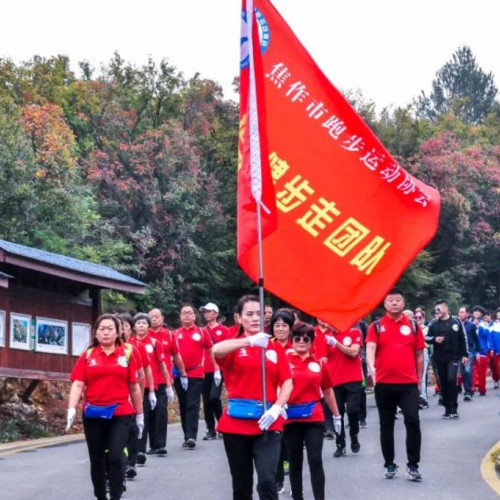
(210, 306)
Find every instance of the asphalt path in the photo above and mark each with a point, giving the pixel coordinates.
(451, 456)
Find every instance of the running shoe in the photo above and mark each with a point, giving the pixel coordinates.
(191, 443)
(328, 435)
(131, 472)
(391, 471)
(340, 451)
(446, 415)
(161, 452)
(425, 405)
(454, 416)
(467, 397)
(355, 446)
(281, 488)
(210, 436)
(151, 451)
(363, 424)
(141, 458)
(412, 473)
(184, 444)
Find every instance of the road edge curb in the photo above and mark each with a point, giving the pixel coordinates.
(20, 446)
(488, 471)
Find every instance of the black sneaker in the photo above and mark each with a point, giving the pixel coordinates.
(425, 405)
(355, 446)
(363, 424)
(328, 435)
(184, 444)
(440, 401)
(413, 474)
(446, 415)
(454, 416)
(131, 472)
(191, 443)
(152, 451)
(141, 458)
(281, 488)
(161, 452)
(467, 397)
(340, 451)
(210, 436)
(391, 471)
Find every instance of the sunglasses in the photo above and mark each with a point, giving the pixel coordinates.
(304, 338)
(419, 317)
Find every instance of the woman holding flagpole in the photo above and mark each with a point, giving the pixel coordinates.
(252, 435)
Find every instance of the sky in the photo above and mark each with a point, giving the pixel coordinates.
(389, 49)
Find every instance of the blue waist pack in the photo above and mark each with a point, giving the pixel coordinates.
(176, 372)
(245, 408)
(300, 410)
(94, 411)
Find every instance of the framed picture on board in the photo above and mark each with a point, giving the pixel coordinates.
(51, 335)
(19, 331)
(2, 328)
(80, 338)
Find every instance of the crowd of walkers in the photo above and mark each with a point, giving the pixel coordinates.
(316, 380)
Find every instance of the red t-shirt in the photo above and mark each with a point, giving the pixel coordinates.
(344, 368)
(192, 345)
(319, 347)
(233, 331)
(155, 354)
(170, 348)
(310, 376)
(396, 345)
(242, 372)
(217, 334)
(107, 378)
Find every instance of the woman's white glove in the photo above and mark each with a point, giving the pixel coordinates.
(270, 416)
(70, 418)
(152, 399)
(217, 378)
(139, 421)
(337, 424)
(260, 339)
(184, 383)
(331, 340)
(170, 394)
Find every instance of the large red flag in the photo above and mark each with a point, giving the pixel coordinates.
(346, 219)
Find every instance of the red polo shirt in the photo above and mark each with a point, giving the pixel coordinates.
(233, 331)
(107, 378)
(169, 346)
(192, 345)
(155, 354)
(344, 368)
(310, 377)
(217, 334)
(319, 347)
(242, 372)
(396, 345)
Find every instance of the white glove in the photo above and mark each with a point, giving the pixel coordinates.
(217, 378)
(330, 340)
(283, 412)
(184, 383)
(70, 418)
(139, 421)
(260, 339)
(337, 424)
(152, 399)
(270, 416)
(170, 394)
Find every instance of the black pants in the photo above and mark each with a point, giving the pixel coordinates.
(189, 405)
(158, 434)
(295, 436)
(348, 396)
(132, 444)
(149, 419)
(111, 435)
(328, 425)
(388, 397)
(212, 406)
(447, 373)
(242, 453)
(280, 471)
(362, 399)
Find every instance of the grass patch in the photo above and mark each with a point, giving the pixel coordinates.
(16, 429)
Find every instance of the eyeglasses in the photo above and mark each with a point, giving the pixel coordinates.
(419, 317)
(437, 310)
(303, 338)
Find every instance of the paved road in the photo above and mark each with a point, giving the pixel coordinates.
(451, 456)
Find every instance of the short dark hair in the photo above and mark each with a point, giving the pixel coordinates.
(420, 307)
(481, 309)
(440, 301)
(301, 328)
(140, 316)
(467, 309)
(395, 291)
(284, 315)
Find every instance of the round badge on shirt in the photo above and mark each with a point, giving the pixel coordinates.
(347, 341)
(149, 348)
(272, 356)
(314, 367)
(122, 361)
(218, 332)
(455, 328)
(405, 330)
(196, 336)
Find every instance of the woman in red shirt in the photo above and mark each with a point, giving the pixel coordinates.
(244, 421)
(107, 375)
(305, 422)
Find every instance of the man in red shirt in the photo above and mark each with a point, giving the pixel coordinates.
(164, 393)
(212, 382)
(395, 359)
(346, 374)
(194, 344)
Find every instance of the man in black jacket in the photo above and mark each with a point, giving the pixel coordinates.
(448, 336)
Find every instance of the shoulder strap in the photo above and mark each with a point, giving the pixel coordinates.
(89, 352)
(414, 326)
(376, 325)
